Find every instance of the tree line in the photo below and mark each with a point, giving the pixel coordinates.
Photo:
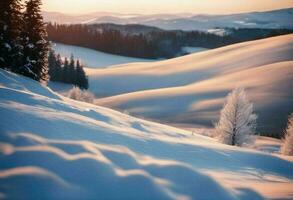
(67, 71)
(24, 46)
(148, 42)
(153, 44)
(23, 39)
(109, 41)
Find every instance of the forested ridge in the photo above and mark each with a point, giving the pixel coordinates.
(149, 42)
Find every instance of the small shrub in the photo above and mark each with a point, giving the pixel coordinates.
(81, 95)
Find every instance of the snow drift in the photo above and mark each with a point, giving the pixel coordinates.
(52, 147)
(191, 89)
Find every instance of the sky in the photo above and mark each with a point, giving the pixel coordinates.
(164, 6)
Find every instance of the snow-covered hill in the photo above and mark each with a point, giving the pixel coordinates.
(191, 89)
(92, 58)
(55, 148)
(270, 19)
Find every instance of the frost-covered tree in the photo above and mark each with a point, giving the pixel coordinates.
(10, 29)
(237, 121)
(81, 95)
(287, 147)
(36, 46)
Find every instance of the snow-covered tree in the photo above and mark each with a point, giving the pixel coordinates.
(36, 46)
(287, 147)
(81, 95)
(237, 121)
(10, 29)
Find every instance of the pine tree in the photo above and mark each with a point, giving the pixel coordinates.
(287, 147)
(69, 73)
(82, 80)
(237, 121)
(36, 46)
(59, 70)
(52, 65)
(77, 73)
(65, 71)
(71, 70)
(10, 29)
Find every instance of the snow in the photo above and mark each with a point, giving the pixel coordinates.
(219, 31)
(94, 59)
(191, 89)
(30, 45)
(193, 49)
(266, 144)
(7, 46)
(61, 88)
(53, 147)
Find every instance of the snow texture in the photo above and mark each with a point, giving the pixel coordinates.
(53, 147)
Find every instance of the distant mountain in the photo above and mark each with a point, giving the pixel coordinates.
(186, 21)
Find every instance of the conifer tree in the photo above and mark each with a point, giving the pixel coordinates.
(52, 64)
(10, 29)
(237, 120)
(71, 70)
(59, 68)
(36, 46)
(82, 80)
(65, 71)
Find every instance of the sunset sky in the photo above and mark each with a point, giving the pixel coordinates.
(164, 6)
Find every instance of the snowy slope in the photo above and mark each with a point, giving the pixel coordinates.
(92, 58)
(55, 148)
(191, 89)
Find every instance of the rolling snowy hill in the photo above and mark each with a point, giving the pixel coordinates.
(52, 147)
(191, 89)
(92, 58)
(270, 19)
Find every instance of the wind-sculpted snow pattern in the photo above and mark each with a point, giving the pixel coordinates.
(52, 147)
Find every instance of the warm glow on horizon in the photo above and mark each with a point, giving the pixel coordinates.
(164, 6)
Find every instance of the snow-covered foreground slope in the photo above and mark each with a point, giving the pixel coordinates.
(191, 89)
(55, 148)
(94, 59)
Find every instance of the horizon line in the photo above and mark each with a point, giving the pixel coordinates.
(162, 13)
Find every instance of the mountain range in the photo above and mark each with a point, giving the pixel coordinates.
(275, 19)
